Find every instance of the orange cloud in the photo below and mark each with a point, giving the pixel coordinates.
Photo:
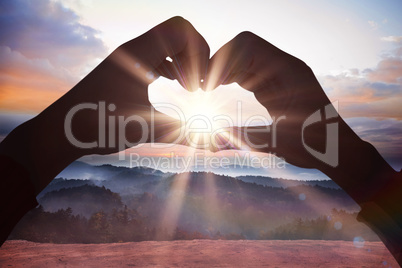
(29, 85)
(26, 99)
(388, 71)
(44, 50)
(374, 92)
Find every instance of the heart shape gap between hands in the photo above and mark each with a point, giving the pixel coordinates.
(226, 106)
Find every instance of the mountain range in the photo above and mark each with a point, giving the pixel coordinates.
(83, 171)
(108, 203)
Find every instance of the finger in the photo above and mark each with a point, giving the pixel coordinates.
(173, 71)
(166, 69)
(248, 60)
(229, 64)
(179, 40)
(191, 63)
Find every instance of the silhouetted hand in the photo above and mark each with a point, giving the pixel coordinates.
(288, 89)
(304, 118)
(122, 80)
(111, 105)
(109, 109)
(284, 85)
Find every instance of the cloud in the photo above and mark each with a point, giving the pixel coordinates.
(14, 63)
(392, 38)
(23, 80)
(46, 29)
(375, 92)
(44, 51)
(388, 70)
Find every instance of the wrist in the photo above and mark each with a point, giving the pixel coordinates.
(40, 146)
(16, 146)
(361, 172)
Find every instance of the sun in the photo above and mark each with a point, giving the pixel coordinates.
(202, 110)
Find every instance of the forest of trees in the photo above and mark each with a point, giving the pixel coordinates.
(133, 210)
(128, 225)
(119, 226)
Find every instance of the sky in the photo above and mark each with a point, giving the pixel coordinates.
(353, 47)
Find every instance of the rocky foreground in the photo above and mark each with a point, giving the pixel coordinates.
(197, 253)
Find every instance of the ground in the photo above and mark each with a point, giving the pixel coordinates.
(197, 253)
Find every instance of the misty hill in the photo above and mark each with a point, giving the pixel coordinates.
(118, 178)
(287, 183)
(285, 172)
(129, 182)
(81, 170)
(192, 205)
(203, 202)
(83, 200)
(60, 183)
(233, 193)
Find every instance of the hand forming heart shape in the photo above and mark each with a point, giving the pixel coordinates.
(111, 107)
(281, 83)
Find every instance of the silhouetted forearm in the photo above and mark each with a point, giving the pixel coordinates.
(367, 178)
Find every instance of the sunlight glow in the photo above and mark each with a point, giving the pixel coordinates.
(203, 116)
(172, 210)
